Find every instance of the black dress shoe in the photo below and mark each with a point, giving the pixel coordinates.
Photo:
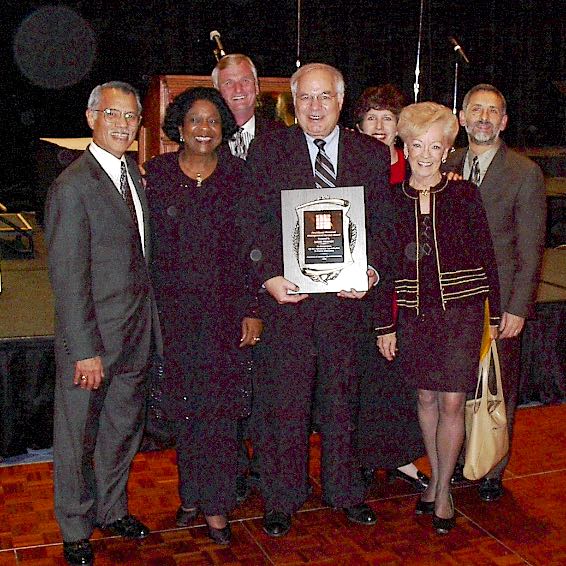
(276, 523)
(78, 552)
(242, 489)
(444, 526)
(490, 489)
(361, 514)
(367, 475)
(420, 483)
(458, 475)
(184, 518)
(128, 527)
(424, 507)
(220, 536)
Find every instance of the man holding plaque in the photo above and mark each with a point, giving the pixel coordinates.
(317, 334)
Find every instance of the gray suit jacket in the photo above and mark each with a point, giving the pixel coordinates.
(514, 198)
(104, 302)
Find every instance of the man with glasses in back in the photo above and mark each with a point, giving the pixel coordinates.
(106, 324)
(317, 335)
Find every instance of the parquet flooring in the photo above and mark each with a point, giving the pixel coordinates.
(527, 526)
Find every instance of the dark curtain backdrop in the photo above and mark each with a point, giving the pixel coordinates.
(518, 46)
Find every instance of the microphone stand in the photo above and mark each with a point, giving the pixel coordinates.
(455, 84)
(416, 85)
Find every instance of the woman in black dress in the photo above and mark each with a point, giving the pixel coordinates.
(198, 272)
(388, 430)
(446, 270)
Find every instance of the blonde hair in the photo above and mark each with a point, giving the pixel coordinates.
(418, 118)
(231, 60)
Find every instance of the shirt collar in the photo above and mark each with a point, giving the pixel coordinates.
(110, 163)
(249, 126)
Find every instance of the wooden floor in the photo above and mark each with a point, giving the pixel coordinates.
(528, 526)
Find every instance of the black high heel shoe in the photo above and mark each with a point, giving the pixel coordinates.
(424, 507)
(184, 517)
(444, 526)
(220, 536)
(420, 483)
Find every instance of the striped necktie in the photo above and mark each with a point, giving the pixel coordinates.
(126, 192)
(241, 144)
(475, 171)
(324, 174)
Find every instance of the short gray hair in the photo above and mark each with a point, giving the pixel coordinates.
(231, 60)
(96, 94)
(488, 88)
(337, 75)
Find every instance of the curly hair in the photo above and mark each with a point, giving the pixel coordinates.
(384, 97)
(177, 110)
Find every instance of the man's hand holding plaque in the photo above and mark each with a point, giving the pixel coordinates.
(373, 278)
(283, 290)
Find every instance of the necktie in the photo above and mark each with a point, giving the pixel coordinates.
(475, 171)
(241, 144)
(324, 174)
(126, 192)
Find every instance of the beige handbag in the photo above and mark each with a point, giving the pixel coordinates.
(487, 439)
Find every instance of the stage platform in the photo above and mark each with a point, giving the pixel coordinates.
(27, 366)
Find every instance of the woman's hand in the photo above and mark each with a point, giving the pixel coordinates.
(251, 331)
(387, 345)
(493, 331)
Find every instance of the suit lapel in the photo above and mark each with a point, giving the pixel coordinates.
(494, 171)
(109, 192)
(298, 155)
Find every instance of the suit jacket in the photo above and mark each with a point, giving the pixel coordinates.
(104, 303)
(280, 160)
(514, 198)
(265, 125)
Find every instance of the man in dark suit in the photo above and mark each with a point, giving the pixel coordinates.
(312, 335)
(513, 193)
(235, 76)
(106, 324)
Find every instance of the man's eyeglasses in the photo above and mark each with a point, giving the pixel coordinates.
(325, 99)
(112, 115)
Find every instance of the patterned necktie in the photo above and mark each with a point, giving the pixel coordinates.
(126, 192)
(475, 171)
(241, 144)
(324, 174)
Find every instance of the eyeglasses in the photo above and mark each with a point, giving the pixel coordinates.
(325, 99)
(112, 115)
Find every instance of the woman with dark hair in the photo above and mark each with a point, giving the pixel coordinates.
(198, 272)
(446, 270)
(376, 114)
(389, 431)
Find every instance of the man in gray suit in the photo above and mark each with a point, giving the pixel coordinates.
(106, 324)
(513, 194)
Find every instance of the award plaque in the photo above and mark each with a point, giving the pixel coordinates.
(324, 239)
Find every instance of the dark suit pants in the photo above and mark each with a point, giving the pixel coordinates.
(104, 426)
(300, 342)
(509, 351)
